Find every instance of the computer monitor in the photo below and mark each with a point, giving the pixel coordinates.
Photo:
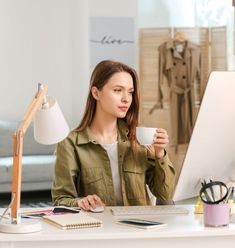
(211, 150)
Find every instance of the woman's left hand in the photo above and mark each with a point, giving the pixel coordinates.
(160, 142)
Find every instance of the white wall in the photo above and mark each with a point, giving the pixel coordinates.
(166, 13)
(35, 46)
(47, 41)
(80, 58)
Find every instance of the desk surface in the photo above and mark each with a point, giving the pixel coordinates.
(179, 228)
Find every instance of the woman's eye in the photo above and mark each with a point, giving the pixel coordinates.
(117, 90)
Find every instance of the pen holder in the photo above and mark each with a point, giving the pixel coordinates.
(216, 215)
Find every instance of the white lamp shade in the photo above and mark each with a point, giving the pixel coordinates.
(50, 126)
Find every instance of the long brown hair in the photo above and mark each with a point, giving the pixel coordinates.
(100, 76)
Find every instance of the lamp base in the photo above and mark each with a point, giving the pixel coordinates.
(26, 226)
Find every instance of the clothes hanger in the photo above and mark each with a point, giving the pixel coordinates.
(179, 42)
(179, 37)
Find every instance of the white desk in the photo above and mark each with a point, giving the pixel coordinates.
(182, 231)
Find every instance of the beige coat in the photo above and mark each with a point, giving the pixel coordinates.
(182, 70)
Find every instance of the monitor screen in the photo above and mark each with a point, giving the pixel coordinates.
(211, 150)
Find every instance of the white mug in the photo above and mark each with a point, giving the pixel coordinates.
(145, 135)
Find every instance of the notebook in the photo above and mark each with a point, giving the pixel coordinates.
(73, 221)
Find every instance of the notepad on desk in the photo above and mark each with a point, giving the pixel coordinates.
(73, 221)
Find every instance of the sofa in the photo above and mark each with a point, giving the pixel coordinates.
(37, 161)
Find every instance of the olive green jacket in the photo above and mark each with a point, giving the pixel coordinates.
(83, 168)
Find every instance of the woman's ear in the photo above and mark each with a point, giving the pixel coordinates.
(95, 92)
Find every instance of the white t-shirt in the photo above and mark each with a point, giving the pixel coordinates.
(112, 150)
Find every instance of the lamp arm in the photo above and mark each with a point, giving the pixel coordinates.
(33, 107)
(18, 151)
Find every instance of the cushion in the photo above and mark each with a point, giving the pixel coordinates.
(30, 146)
(34, 168)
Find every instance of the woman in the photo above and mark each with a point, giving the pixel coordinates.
(100, 162)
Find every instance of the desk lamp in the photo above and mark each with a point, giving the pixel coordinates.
(50, 127)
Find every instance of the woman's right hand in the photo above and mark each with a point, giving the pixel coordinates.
(90, 201)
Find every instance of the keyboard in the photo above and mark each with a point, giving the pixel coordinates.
(149, 210)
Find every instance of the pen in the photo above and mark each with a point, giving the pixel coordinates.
(204, 182)
(207, 196)
(221, 191)
(230, 190)
(212, 191)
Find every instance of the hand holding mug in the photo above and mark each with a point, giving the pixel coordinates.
(153, 137)
(160, 142)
